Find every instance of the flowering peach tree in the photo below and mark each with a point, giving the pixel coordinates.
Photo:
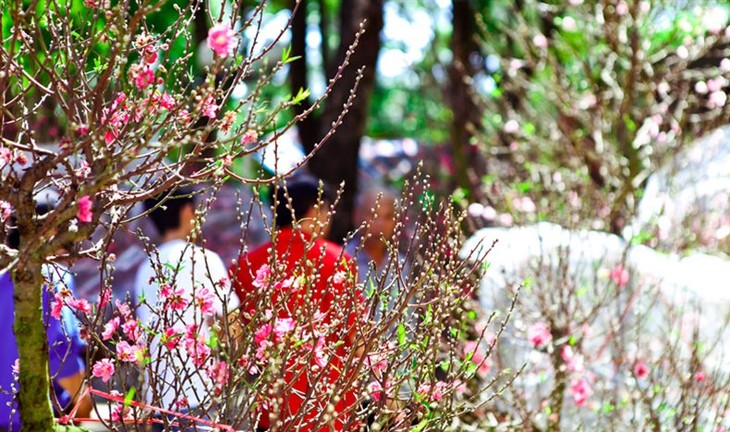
(102, 108)
(115, 90)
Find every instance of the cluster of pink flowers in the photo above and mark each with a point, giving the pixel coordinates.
(85, 206)
(171, 337)
(130, 353)
(174, 298)
(64, 297)
(196, 345)
(477, 354)
(377, 390)
(205, 301)
(208, 107)
(7, 156)
(620, 276)
(580, 391)
(222, 40)
(539, 334)
(219, 373)
(434, 392)
(573, 361)
(5, 210)
(115, 117)
(641, 370)
(104, 369)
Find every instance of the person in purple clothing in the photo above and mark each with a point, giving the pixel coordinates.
(65, 348)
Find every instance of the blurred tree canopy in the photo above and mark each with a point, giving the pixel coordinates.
(514, 91)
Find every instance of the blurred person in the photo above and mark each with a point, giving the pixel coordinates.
(188, 269)
(299, 249)
(66, 350)
(371, 247)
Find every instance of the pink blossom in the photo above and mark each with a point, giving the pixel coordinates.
(204, 299)
(573, 361)
(717, 99)
(103, 369)
(219, 373)
(131, 329)
(171, 338)
(511, 126)
(166, 291)
(376, 362)
(5, 210)
(182, 402)
(262, 276)
(620, 276)
(57, 306)
(540, 41)
(5, 156)
(249, 137)
(83, 170)
(339, 277)
(725, 65)
(641, 370)
(375, 389)
(167, 101)
(285, 284)
(110, 136)
(120, 412)
(716, 84)
(81, 305)
(282, 326)
(222, 40)
(21, 158)
(227, 121)
(262, 333)
(144, 77)
(84, 212)
(581, 391)
(183, 116)
(478, 357)
(129, 353)
(435, 392)
(209, 108)
(101, 4)
(149, 54)
(539, 334)
(320, 356)
(569, 24)
(16, 367)
(178, 300)
(110, 328)
(700, 377)
(199, 351)
(123, 308)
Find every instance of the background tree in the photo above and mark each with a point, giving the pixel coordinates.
(360, 23)
(590, 98)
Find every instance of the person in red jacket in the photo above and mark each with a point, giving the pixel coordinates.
(299, 298)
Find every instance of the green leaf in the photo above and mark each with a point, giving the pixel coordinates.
(129, 396)
(213, 342)
(302, 95)
(401, 334)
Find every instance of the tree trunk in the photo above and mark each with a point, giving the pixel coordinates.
(36, 413)
(466, 114)
(337, 160)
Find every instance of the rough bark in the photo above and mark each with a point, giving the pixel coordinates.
(36, 413)
(466, 113)
(309, 126)
(336, 161)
